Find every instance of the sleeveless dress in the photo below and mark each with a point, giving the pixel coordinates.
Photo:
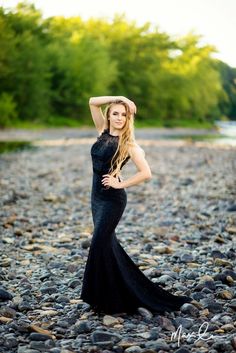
(112, 282)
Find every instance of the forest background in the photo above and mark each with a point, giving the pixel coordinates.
(50, 67)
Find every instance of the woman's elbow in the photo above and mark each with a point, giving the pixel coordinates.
(91, 100)
(148, 175)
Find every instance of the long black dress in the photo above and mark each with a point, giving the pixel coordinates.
(112, 282)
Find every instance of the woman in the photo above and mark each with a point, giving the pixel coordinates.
(112, 282)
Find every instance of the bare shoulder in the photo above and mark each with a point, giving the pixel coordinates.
(137, 155)
(135, 150)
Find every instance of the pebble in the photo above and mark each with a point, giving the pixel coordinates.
(82, 327)
(5, 295)
(24, 349)
(233, 342)
(159, 344)
(185, 242)
(105, 336)
(145, 313)
(184, 322)
(214, 307)
(189, 309)
(38, 337)
(226, 294)
(133, 349)
(110, 321)
(182, 350)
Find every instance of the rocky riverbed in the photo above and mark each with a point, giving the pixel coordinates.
(179, 228)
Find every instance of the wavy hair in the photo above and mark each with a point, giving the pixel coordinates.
(126, 137)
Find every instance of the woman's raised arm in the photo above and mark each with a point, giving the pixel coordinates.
(96, 111)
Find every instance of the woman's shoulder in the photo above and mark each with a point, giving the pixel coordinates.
(135, 148)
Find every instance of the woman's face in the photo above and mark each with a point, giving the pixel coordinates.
(117, 116)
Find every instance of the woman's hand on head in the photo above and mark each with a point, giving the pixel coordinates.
(131, 104)
(110, 181)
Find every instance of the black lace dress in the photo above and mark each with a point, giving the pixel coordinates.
(112, 282)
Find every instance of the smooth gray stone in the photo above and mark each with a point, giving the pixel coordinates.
(105, 336)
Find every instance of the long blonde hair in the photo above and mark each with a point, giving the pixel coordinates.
(126, 137)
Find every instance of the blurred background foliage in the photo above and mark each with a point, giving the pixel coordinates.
(50, 67)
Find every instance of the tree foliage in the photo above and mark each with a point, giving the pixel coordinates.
(50, 67)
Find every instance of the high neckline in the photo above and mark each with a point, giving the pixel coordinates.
(111, 134)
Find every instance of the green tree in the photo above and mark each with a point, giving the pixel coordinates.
(227, 104)
(7, 110)
(50, 68)
(80, 67)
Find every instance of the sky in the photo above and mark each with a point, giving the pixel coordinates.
(214, 20)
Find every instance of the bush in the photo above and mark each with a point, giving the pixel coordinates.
(7, 110)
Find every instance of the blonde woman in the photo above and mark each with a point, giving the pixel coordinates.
(112, 282)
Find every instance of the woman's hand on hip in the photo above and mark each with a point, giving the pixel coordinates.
(110, 181)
